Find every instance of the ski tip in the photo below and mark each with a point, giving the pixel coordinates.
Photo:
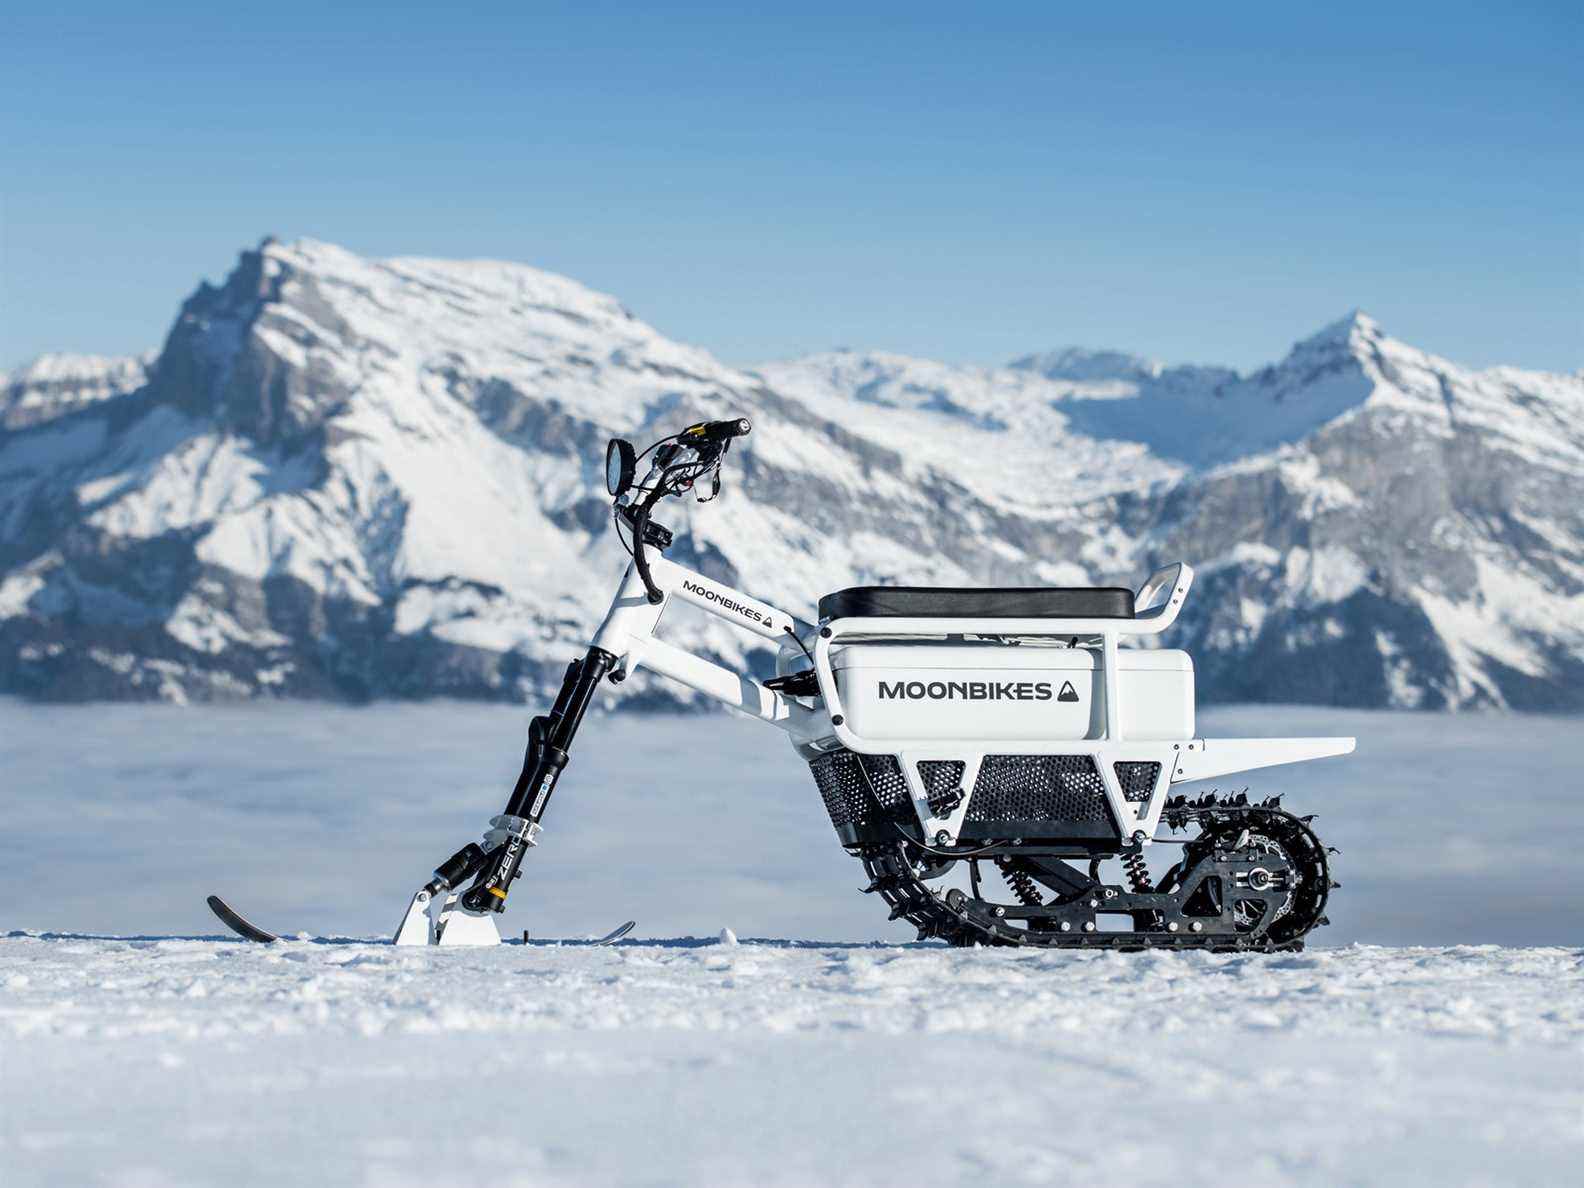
(612, 937)
(234, 921)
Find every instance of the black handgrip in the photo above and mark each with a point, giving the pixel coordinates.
(640, 521)
(719, 431)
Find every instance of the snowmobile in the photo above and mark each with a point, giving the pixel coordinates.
(949, 732)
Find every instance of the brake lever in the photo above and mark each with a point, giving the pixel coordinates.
(715, 484)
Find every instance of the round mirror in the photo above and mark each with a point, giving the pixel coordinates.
(620, 461)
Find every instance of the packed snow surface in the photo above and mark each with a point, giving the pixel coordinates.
(199, 1061)
(1408, 1052)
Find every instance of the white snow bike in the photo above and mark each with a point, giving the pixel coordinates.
(948, 729)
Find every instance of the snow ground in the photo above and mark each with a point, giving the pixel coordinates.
(208, 1062)
(154, 1059)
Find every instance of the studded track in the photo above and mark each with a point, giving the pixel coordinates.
(1255, 878)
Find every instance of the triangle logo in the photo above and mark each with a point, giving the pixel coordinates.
(1068, 693)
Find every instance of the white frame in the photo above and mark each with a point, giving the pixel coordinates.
(628, 633)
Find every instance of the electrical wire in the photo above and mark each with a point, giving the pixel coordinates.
(675, 480)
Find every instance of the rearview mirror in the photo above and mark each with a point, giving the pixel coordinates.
(620, 462)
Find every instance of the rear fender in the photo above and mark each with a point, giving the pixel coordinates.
(1206, 758)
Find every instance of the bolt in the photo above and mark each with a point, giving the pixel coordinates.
(1094, 903)
(942, 838)
(1000, 911)
(837, 719)
(1196, 926)
(1172, 927)
(825, 632)
(1089, 925)
(1066, 925)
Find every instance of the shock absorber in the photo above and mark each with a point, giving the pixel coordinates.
(549, 741)
(1137, 872)
(1022, 885)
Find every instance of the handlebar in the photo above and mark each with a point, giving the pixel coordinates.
(708, 441)
(718, 431)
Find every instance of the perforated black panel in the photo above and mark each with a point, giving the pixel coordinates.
(1055, 788)
(841, 788)
(1137, 778)
(846, 793)
(885, 776)
(942, 784)
(1033, 795)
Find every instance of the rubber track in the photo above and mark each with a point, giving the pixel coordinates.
(891, 876)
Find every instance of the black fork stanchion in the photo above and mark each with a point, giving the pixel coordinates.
(549, 741)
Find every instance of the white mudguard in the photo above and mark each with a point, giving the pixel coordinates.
(1206, 758)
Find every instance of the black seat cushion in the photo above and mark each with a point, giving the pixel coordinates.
(948, 602)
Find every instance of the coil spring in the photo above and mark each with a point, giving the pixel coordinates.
(1022, 886)
(1137, 873)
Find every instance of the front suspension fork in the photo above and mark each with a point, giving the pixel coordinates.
(494, 865)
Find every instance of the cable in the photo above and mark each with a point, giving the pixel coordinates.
(912, 841)
(804, 647)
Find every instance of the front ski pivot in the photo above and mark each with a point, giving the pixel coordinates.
(435, 917)
(467, 917)
(441, 920)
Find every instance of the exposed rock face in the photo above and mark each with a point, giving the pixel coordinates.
(358, 478)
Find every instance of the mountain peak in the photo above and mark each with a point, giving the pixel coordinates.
(1349, 331)
(68, 366)
(52, 385)
(298, 328)
(1086, 365)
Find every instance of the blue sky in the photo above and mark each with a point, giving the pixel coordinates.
(1196, 182)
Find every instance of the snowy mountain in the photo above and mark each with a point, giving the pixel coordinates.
(1372, 525)
(53, 385)
(366, 478)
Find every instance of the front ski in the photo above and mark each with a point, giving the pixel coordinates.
(233, 921)
(238, 924)
(610, 938)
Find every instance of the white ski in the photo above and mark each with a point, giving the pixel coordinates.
(610, 938)
(247, 930)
